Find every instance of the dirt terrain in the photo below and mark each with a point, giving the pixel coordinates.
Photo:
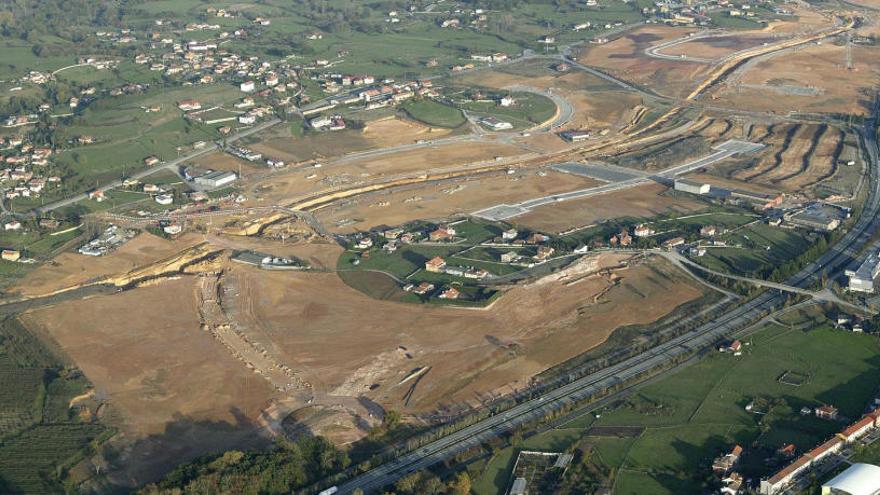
(71, 268)
(447, 198)
(811, 79)
(625, 57)
(281, 144)
(715, 48)
(173, 390)
(642, 201)
(346, 349)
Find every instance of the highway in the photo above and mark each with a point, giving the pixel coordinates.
(833, 262)
(170, 165)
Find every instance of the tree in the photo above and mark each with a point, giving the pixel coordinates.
(461, 485)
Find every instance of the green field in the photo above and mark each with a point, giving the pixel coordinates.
(433, 113)
(689, 417)
(529, 110)
(39, 434)
(755, 250)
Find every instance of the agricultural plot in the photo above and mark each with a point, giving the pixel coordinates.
(40, 436)
(755, 250)
(688, 418)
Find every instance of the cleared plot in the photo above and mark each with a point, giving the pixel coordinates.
(365, 353)
(625, 57)
(638, 202)
(819, 67)
(69, 269)
(444, 199)
(173, 390)
(717, 47)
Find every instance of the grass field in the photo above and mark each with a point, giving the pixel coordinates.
(755, 249)
(695, 414)
(530, 109)
(433, 113)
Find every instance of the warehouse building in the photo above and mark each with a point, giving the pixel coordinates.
(858, 479)
(693, 187)
(862, 278)
(214, 180)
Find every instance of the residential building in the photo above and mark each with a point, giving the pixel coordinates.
(496, 124)
(442, 234)
(674, 242)
(826, 412)
(165, 199)
(10, 255)
(643, 230)
(189, 105)
(726, 462)
(544, 252)
(247, 87)
(435, 265)
(509, 257)
(450, 293)
(509, 234)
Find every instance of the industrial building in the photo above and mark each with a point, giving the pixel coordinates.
(858, 479)
(815, 217)
(693, 187)
(215, 179)
(862, 278)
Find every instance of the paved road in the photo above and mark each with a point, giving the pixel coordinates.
(170, 165)
(833, 261)
(724, 150)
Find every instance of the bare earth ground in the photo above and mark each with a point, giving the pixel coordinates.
(289, 186)
(344, 342)
(375, 135)
(721, 46)
(642, 201)
(815, 66)
(448, 198)
(624, 57)
(174, 391)
(72, 268)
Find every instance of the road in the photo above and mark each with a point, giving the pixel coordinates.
(724, 150)
(833, 262)
(170, 165)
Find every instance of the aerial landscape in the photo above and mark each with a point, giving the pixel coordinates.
(618, 247)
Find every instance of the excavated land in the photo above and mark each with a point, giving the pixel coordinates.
(813, 78)
(444, 199)
(72, 269)
(798, 156)
(347, 344)
(718, 47)
(625, 57)
(174, 391)
(377, 134)
(642, 201)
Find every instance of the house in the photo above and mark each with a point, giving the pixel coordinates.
(507, 101)
(495, 124)
(509, 257)
(450, 293)
(544, 252)
(13, 225)
(165, 199)
(536, 238)
(151, 188)
(247, 119)
(708, 230)
(697, 251)
(726, 462)
(435, 265)
(674, 242)
(826, 412)
(423, 288)
(509, 234)
(247, 87)
(733, 482)
(442, 234)
(787, 450)
(10, 255)
(189, 105)
(643, 230)
(151, 160)
(49, 223)
(477, 273)
(97, 195)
